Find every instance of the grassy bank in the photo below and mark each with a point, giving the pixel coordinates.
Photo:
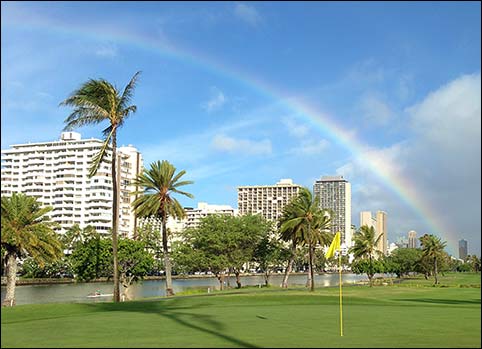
(385, 316)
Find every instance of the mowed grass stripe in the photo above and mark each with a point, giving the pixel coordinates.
(398, 317)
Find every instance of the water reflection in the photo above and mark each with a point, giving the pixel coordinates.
(75, 293)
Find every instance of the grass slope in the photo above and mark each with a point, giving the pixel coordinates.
(384, 316)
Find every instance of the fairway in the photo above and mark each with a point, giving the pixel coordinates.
(384, 316)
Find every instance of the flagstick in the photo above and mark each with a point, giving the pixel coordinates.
(341, 306)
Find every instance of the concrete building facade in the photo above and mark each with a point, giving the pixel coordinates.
(463, 249)
(379, 223)
(266, 200)
(56, 173)
(412, 239)
(334, 193)
(192, 219)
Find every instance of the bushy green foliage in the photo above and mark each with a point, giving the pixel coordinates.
(220, 243)
(93, 259)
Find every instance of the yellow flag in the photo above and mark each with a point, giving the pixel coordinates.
(335, 245)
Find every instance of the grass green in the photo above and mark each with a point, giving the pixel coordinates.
(382, 316)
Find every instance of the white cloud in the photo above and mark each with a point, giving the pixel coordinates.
(311, 147)
(450, 117)
(107, 51)
(247, 13)
(375, 111)
(241, 146)
(295, 128)
(439, 162)
(216, 101)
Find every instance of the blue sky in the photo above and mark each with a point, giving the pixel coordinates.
(244, 93)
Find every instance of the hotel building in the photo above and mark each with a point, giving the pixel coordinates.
(335, 194)
(412, 239)
(57, 174)
(379, 223)
(266, 200)
(192, 219)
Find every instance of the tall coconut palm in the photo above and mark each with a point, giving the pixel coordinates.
(26, 231)
(94, 102)
(433, 249)
(158, 184)
(307, 223)
(365, 247)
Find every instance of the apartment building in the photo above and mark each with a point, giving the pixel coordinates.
(334, 193)
(266, 200)
(56, 173)
(191, 220)
(379, 223)
(412, 239)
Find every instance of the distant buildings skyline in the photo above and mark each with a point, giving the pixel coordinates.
(56, 173)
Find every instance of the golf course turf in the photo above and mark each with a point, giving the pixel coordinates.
(393, 316)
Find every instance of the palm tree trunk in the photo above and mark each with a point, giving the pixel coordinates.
(435, 270)
(167, 259)
(311, 269)
(115, 217)
(9, 300)
(284, 284)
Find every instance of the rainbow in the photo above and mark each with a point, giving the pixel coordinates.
(318, 120)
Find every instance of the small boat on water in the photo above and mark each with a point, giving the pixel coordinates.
(98, 294)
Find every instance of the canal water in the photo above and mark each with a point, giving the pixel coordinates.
(78, 292)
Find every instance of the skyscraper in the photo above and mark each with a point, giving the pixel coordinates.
(56, 172)
(412, 239)
(335, 194)
(379, 223)
(462, 249)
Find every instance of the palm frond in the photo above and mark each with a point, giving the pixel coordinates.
(97, 159)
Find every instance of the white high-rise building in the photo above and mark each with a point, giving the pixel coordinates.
(334, 193)
(379, 223)
(56, 173)
(192, 219)
(266, 200)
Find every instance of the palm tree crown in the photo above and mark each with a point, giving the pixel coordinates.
(26, 231)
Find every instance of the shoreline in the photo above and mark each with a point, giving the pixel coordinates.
(54, 281)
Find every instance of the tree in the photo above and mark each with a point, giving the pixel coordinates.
(306, 222)
(26, 231)
(158, 184)
(134, 262)
(243, 234)
(94, 102)
(269, 254)
(433, 249)
(404, 260)
(365, 247)
(474, 262)
(92, 259)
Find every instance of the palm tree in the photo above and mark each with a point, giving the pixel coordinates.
(158, 185)
(94, 102)
(26, 231)
(306, 222)
(365, 247)
(433, 248)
